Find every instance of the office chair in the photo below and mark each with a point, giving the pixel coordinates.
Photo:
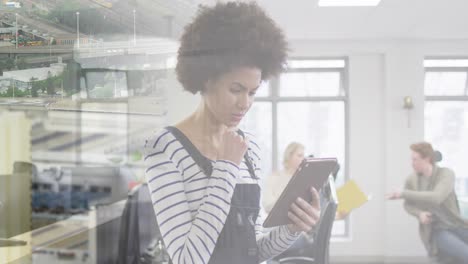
(139, 229)
(321, 242)
(437, 156)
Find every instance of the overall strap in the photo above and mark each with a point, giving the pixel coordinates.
(203, 162)
(247, 158)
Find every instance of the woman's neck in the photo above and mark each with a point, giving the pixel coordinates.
(207, 124)
(202, 127)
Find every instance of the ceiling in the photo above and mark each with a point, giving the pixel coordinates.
(392, 19)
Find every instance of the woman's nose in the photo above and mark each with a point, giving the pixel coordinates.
(243, 101)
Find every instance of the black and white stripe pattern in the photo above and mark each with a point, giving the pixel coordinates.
(191, 207)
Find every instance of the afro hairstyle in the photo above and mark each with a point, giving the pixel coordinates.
(225, 37)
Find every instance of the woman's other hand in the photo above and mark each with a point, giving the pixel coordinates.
(304, 216)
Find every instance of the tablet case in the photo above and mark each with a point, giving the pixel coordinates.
(312, 172)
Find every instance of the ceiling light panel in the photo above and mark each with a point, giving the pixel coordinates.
(338, 3)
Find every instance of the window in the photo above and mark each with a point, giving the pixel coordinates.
(446, 117)
(307, 104)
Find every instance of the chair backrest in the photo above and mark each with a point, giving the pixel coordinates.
(437, 156)
(322, 238)
(138, 225)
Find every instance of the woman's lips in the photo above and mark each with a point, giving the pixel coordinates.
(237, 117)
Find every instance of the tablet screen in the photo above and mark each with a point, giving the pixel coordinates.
(313, 172)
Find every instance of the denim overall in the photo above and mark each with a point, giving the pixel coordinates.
(237, 242)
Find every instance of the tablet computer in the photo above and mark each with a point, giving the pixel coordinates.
(313, 172)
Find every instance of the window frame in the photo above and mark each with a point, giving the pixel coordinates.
(446, 98)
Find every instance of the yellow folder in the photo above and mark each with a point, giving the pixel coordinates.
(350, 196)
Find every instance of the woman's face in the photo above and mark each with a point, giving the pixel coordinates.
(229, 97)
(296, 159)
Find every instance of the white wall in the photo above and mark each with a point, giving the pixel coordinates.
(366, 136)
(404, 76)
(381, 74)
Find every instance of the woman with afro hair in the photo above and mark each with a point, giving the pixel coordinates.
(203, 172)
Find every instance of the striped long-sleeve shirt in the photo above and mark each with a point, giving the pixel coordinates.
(191, 207)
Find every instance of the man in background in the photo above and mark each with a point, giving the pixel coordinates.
(429, 195)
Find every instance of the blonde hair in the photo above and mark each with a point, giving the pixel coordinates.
(289, 152)
(424, 149)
